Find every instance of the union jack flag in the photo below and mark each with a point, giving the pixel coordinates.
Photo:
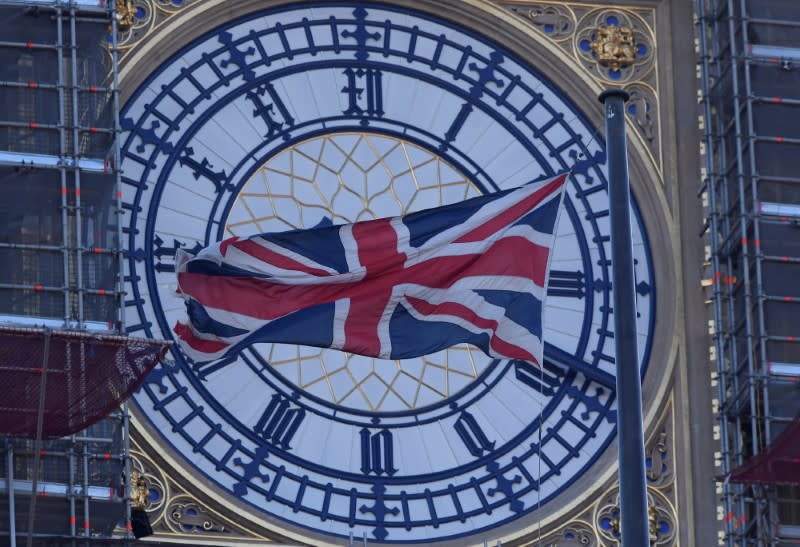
(472, 272)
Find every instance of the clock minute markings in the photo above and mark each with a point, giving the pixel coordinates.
(364, 87)
(147, 136)
(236, 56)
(360, 34)
(164, 254)
(545, 380)
(486, 75)
(379, 509)
(561, 359)
(568, 284)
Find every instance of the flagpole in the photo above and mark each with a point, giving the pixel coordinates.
(634, 521)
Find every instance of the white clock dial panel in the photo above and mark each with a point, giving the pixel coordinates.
(342, 112)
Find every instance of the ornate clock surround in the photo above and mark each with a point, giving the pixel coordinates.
(503, 29)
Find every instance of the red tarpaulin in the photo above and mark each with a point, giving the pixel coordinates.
(88, 376)
(779, 463)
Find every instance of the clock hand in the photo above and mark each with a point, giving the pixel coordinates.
(561, 358)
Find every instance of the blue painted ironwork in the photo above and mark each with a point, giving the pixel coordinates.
(585, 408)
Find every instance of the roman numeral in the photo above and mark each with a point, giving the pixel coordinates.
(377, 452)
(269, 111)
(203, 169)
(545, 380)
(486, 75)
(164, 254)
(567, 284)
(472, 435)
(280, 421)
(369, 104)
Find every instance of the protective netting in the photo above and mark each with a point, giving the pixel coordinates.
(779, 463)
(88, 375)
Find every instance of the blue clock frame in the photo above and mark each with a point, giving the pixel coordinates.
(254, 463)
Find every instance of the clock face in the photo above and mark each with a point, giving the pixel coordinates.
(343, 112)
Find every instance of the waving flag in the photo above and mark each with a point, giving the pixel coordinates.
(473, 272)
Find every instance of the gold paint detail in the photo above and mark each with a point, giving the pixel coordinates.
(614, 46)
(140, 494)
(662, 523)
(653, 527)
(344, 178)
(125, 14)
(137, 20)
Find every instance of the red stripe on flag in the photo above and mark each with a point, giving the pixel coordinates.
(198, 344)
(512, 214)
(276, 259)
(223, 246)
(377, 254)
(509, 256)
(262, 299)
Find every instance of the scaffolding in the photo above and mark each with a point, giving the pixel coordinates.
(60, 247)
(750, 94)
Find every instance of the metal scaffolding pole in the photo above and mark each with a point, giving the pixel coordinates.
(746, 68)
(12, 513)
(67, 127)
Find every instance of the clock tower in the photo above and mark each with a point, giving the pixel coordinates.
(248, 117)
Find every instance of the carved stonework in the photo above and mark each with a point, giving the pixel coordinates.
(156, 491)
(557, 22)
(598, 524)
(137, 19)
(175, 513)
(659, 468)
(642, 107)
(577, 534)
(616, 34)
(663, 523)
(615, 46)
(186, 516)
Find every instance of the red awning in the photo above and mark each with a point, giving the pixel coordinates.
(779, 463)
(88, 376)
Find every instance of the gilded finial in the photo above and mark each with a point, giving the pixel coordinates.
(125, 14)
(140, 495)
(651, 517)
(614, 46)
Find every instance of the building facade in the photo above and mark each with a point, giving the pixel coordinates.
(237, 117)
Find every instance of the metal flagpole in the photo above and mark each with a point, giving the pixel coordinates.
(632, 482)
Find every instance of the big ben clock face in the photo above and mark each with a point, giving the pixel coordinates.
(337, 112)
